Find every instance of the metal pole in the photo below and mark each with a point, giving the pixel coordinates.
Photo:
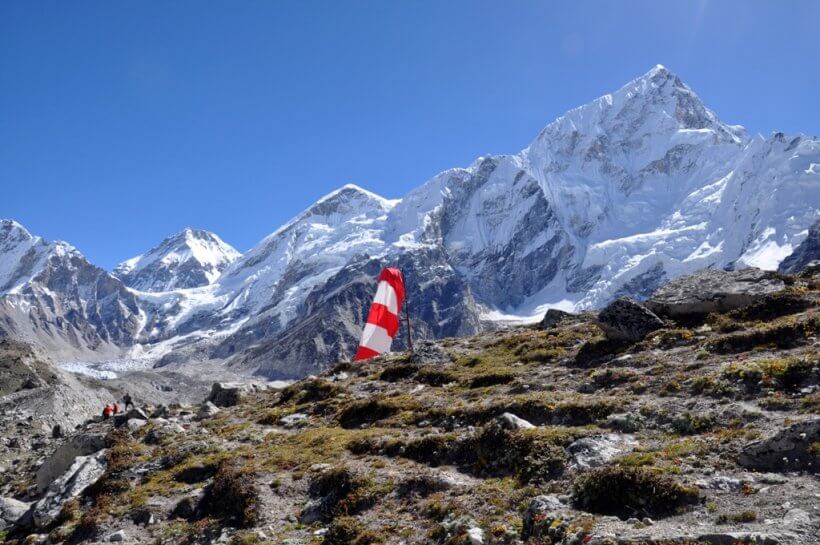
(407, 317)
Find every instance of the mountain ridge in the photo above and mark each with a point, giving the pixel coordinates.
(613, 198)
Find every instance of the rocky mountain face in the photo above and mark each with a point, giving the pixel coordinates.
(612, 199)
(693, 423)
(50, 294)
(807, 252)
(189, 259)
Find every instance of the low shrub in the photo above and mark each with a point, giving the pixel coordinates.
(349, 531)
(233, 494)
(631, 492)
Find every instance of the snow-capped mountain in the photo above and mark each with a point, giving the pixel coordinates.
(613, 198)
(189, 259)
(51, 295)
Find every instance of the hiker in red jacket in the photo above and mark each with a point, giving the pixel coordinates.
(108, 411)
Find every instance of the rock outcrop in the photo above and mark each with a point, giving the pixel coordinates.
(64, 457)
(83, 473)
(792, 449)
(628, 320)
(712, 290)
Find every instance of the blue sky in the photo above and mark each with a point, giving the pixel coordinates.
(123, 122)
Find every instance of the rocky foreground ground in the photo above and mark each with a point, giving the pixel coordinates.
(692, 419)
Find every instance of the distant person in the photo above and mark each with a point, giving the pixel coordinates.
(128, 401)
(108, 411)
(117, 409)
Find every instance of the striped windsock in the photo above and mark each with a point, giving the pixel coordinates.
(383, 320)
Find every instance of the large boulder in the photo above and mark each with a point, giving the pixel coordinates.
(78, 445)
(83, 473)
(628, 320)
(711, 290)
(553, 317)
(788, 450)
(11, 511)
(595, 451)
(228, 394)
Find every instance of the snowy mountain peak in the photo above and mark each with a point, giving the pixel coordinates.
(12, 234)
(188, 259)
(349, 197)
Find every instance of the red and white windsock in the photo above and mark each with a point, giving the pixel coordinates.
(383, 320)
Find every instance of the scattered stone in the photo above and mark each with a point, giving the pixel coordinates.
(625, 422)
(509, 421)
(627, 320)
(295, 420)
(546, 520)
(596, 451)
(721, 482)
(161, 412)
(788, 450)
(207, 410)
(795, 517)
(428, 352)
(710, 290)
(117, 536)
(11, 511)
(465, 526)
(771, 478)
(134, 425)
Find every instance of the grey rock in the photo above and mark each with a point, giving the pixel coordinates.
(594, 451)
(463, 526)
(796, 517)
(711, 290)
(733, 538)
(625, 422)
(295, 420)
(788, 450)
(553, 317)
(83, 473)
(722, 482)
(509, 421)
(207, 410)
(134, 425)
(11, 511)
(117, 536)
(137, 414)
(628, 320)
(540, 514)
(78, 445)
(228, 394)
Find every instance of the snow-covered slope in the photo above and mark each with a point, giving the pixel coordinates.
(188, 259)
(613, 198)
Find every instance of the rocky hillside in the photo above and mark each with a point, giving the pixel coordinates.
(692, 419)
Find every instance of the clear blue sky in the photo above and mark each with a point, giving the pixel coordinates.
(123, 122)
